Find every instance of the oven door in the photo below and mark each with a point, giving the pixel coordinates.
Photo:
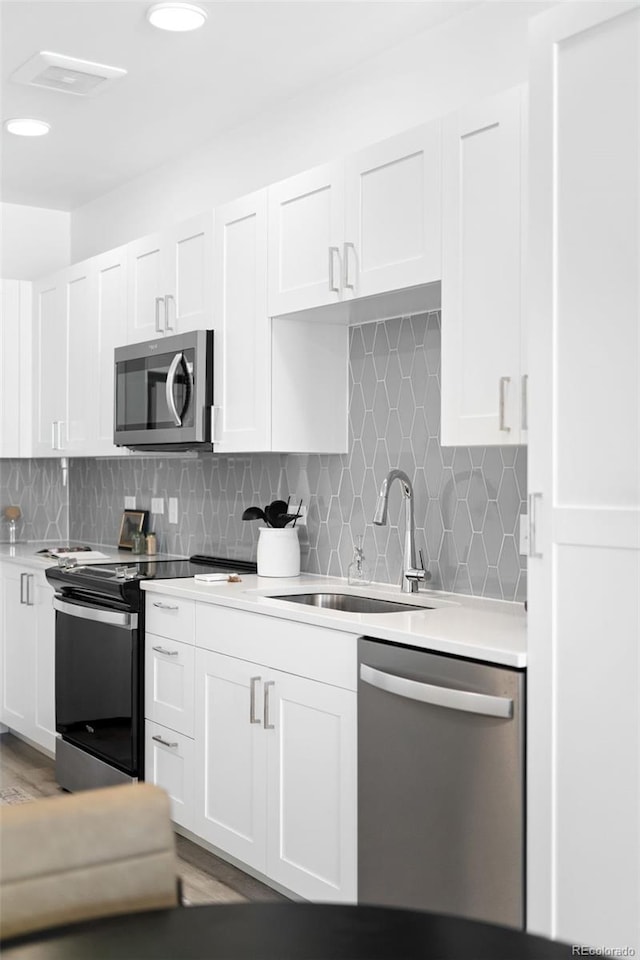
(164, 390)
(98, 679)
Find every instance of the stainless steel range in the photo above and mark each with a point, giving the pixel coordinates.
(100, 665)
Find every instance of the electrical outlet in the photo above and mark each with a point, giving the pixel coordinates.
(173, 509)
(129, 503)
(157, 505)
(293, 508)
(524, 534)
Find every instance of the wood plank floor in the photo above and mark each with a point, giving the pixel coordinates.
(205, 877)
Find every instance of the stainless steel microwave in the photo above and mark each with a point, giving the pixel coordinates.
(164, 393)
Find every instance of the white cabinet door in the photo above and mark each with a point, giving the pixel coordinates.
(169, 763)
(231, 757)
(111, 319)
(306, 229)
(170, 281)
(311, 793)
(28, 667)
(188, 293)
(584, 476)
(242, 382)
(82, 385)
(49, 366)
(392, 230)
(15, 368)
(147, 285)
(18, 689)
(169, 683)
(482, 272)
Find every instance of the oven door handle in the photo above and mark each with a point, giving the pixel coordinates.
(129, 621)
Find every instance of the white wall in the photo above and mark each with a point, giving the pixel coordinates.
(470, 56)
(33, 241)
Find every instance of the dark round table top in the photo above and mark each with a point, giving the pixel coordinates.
(283, 931)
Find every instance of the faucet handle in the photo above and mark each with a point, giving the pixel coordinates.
(421, 559)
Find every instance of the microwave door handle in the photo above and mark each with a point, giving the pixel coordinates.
(171, 379)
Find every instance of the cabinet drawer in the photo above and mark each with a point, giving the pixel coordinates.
(329, 656)
(169, 667)
(170, 617)
(169, 764)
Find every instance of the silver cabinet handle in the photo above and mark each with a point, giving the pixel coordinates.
(333, 251)
(159, 300)
(22, 576)
(524, 400)
(345, 249)
(165, 606)
(167, 653)
(29, 601)
(171, 381)
(464, 700)
(501, 403)
(267, 720)
(533, 525)
(167, 298)
(252, 701)
(56, 434)
(53, 434)
(165, 743)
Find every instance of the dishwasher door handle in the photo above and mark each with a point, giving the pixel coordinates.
(464, 700)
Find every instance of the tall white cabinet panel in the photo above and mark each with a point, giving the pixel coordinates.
(483, 202)
(392, 230)
(15, 368)
(230, 757)
(28, 671)
(49, 366)
(311, 787)
(584, 475)
(242, 382)
(306, 230)
(111, 332)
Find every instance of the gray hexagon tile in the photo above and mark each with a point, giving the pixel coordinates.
(467, 500)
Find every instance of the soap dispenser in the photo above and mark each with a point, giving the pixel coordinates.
(358, 573)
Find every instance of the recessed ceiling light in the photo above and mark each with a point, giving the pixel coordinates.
(176, 16)
(25, 127)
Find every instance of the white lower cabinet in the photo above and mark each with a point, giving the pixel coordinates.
(276, 774)
(169, 683)
(28, 655)
(169, 763)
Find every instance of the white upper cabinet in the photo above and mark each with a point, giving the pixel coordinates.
(49, 366)
(111, 332)
(242, 349)
(351, 229)
(170, 285)
(483, 390)
(306, 230)
(392, 230)
(15, 368)
(80, 308)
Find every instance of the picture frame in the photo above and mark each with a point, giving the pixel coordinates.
(133, 521)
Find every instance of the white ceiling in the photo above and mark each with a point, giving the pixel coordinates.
(181, 90)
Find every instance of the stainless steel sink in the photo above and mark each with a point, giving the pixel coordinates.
(348, 603)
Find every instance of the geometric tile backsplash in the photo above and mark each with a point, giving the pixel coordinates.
(36, 487)
(467, 499)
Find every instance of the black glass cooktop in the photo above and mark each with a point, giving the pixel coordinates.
(122, 580)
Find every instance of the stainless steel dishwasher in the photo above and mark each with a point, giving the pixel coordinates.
(441, 822)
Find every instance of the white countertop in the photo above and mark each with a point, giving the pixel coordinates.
(26, 554)
(482, 629)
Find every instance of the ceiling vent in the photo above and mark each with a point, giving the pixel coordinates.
(67, 74)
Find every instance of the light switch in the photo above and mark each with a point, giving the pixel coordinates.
(129, 503)
(157, 505)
